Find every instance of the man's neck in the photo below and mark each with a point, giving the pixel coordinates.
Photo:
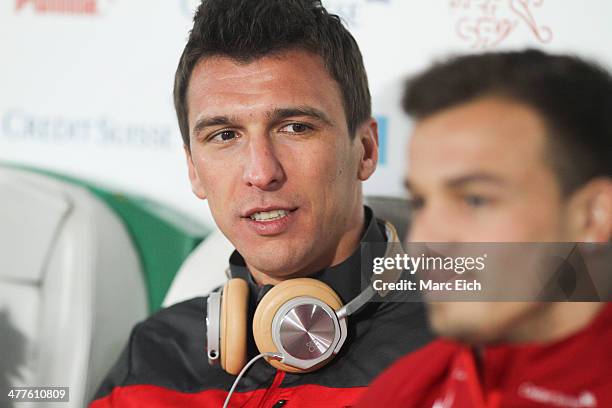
(554, 321)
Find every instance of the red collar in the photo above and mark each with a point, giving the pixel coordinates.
(566, 368)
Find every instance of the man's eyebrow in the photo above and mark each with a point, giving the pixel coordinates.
(463, 180)
(205, 122)
(275, 115)
(284, 113)
(474, 178)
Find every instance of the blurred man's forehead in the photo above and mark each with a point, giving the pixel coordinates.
(487, 139)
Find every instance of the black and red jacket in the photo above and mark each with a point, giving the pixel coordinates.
(165, 363)
(574, 372)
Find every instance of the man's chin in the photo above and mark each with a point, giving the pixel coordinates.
(281, 257)
(277, 265)
(460, 321)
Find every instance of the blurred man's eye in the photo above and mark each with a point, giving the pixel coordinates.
(415, 203)
(476, 201)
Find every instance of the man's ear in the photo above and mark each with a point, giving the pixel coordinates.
(590, 211)
(367, 136)
(196, 184)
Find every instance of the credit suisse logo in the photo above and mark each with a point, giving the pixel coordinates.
(72, 7)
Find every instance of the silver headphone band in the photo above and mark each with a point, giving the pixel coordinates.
(213, 323)
(368, 293)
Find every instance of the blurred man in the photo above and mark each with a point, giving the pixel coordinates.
(509, 147)
(274, 109)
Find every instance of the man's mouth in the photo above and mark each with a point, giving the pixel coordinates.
(268, 213)
(270, 220)
(265, 216)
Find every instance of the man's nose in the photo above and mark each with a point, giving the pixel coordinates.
(263, 168)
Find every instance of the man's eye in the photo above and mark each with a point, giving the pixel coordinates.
(224, 136)
(295, 128)
(476, 201)
(415, 203)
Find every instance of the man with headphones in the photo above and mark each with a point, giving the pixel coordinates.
(274, 109)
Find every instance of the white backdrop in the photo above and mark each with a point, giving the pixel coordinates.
(86, 85)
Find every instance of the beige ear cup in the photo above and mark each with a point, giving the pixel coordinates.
(274, 299)
(233, 335)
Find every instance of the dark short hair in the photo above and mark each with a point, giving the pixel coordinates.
(572, 96)
(245, 30)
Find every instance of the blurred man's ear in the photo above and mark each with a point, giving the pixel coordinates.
(590, 212)
(196, 184)
(367, 136)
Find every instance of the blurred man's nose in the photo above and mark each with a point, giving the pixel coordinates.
(263, 169)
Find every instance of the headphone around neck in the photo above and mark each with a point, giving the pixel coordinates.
(302, 321)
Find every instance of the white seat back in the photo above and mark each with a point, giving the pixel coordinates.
(71, 286)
